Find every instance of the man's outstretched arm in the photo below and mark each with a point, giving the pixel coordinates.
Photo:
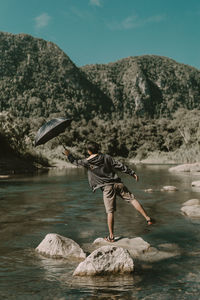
(123, 168)
(74, 161)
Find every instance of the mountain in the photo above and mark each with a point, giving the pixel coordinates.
(147, 85)
(38, 79)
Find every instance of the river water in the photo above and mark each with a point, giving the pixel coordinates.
(61, 202)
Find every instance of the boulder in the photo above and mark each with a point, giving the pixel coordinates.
(192, 211)
(135, 246)
(57, 246)
(196, 183)
(191, 208)
(192, 202)
(141, 250)
(169, 188)
(186, 168)
(106, 260)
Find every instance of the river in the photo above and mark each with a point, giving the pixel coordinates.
(61, 202)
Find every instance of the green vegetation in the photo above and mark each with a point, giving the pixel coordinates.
(139, 139)
(16, 151)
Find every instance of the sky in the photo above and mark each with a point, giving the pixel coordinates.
(103, 31)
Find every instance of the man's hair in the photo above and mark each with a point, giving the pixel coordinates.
(93, 147)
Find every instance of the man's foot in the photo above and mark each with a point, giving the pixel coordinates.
(109, 239)
(150, 222)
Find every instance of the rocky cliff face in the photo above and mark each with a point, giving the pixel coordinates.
(39, 79)
(148, 85)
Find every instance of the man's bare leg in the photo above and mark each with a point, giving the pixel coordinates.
(110, 220)
(140, 208)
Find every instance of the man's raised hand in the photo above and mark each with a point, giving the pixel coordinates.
(136, 177)
(66, 152)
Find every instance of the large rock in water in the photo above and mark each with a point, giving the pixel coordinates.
(140, 249)
(135, 246)
(191, 208)
(186, 168)
(57, 246)
(169, 188)
(106, 260)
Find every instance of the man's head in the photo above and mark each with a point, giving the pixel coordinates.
(93, 148)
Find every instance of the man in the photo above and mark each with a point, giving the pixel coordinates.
(101, 174)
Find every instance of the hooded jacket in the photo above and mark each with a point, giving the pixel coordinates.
(101, 169)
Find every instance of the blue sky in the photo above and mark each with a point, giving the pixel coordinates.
(102, 31)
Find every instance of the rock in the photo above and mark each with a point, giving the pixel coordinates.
(192, 211)
(186, 168)
(192, 202)
(154, 254)
(57, 246)
(169, 188)
(148, 190)
(141, 250)
(106, 260)
(196, 183)
(135, 246)
(4, 176)
(191, 208)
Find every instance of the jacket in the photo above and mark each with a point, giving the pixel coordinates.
(101, 169)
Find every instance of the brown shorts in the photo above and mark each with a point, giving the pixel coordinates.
(110, 192)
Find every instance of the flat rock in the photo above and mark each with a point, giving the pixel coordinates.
(57, 246)
(192, 211)
(149, 190)
(106, 260)
(186, 168)
(4, 176)
(169, 188)
(196, 183)
(141, 250)
(192, 202)
(135, 246)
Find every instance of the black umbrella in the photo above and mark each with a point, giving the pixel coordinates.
(51, 129)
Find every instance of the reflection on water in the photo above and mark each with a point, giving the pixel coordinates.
(61, 202)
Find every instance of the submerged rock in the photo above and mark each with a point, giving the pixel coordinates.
(57, 246)
(106, 260)
(186, 168)
(169, 188)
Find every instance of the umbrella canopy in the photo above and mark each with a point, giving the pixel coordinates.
(51, 129)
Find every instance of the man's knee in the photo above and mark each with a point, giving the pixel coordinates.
(134, 201)
(110, 211)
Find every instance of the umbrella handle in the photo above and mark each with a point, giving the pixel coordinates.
(61, 143)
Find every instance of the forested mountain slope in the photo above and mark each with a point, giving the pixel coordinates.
(38, 79)
(148, 85)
